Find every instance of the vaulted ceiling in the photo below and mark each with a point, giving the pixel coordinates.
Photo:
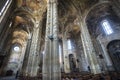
(31, 12)
(69, 10)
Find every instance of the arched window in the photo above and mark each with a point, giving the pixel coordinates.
(16, 47)
(107, 28)
(60, 53)
(69, 44)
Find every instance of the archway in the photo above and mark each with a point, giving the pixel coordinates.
(114, 52)
(72, 63)
(101, 22)
(9, 73)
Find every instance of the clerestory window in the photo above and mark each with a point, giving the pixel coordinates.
(107, 28)
(69, 44)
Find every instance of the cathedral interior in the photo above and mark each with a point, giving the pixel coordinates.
(59, 39)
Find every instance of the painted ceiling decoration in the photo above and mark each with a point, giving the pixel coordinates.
(31, 12)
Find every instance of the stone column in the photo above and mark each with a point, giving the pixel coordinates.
(33, 60)
(24, 66)
(93, 62)
(85, 58)
(51, 64)
(22, 56)
(62, 57)
(108, 61)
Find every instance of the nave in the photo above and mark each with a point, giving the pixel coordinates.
(60, 39)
